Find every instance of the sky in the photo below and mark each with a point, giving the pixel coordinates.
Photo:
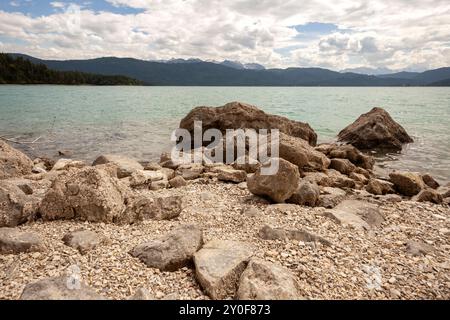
(411, 35)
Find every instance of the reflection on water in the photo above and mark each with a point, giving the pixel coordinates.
(138, 121)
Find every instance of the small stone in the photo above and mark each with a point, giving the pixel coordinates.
(82, 240)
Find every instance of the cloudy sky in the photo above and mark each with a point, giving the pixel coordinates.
(339, 34)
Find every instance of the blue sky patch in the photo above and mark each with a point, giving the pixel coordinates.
(36, 8)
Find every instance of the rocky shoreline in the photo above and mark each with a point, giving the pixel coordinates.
(326, 226)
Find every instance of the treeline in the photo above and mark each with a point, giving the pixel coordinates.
(22, 71)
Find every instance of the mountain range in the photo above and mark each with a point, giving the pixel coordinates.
(195, 72)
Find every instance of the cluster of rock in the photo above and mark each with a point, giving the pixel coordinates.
(115, 189)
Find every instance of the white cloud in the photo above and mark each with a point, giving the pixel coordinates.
(396, 34)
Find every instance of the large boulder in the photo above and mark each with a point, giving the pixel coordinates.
(173, 251)
(125, 165)
(375, 129)
(300, 153)
(14, 241)
(279, 186)
(59, 288)
(88, 194)
(219, 266)
(263, 280)
(13, 163)
(16, 206)
(407, 183)
(238, 115)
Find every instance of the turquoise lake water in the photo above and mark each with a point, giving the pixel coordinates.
(138, 121)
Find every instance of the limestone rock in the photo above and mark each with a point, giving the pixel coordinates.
(231, 175)
(267, 281)
(375, 129)
(344, 166)
(307, 194)
(429, 195)
(66, 164)
(338, 180)
(238, 115)
(16, 207)
(126, 166)
(173, 251)
(59, 288)
(331, 197)
(379, 187)
(83, 240)
(407, 183)
(13, 163)
(190, 171)
(177, 182)
(219, 266)
(14, 241)
(145, 207)
(358, 214)
(319, 178)
(297, 151)
(279, 186)
(349, 152)
(88, 194)
(430, 181)
(144, 179)
(246, 164)
(270, 233)
(418, 248)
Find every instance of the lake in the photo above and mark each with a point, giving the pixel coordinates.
(138, 121)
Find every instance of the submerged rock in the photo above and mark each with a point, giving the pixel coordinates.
(279, 186)
(375, 129)
(236, 115)
(13, 163)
